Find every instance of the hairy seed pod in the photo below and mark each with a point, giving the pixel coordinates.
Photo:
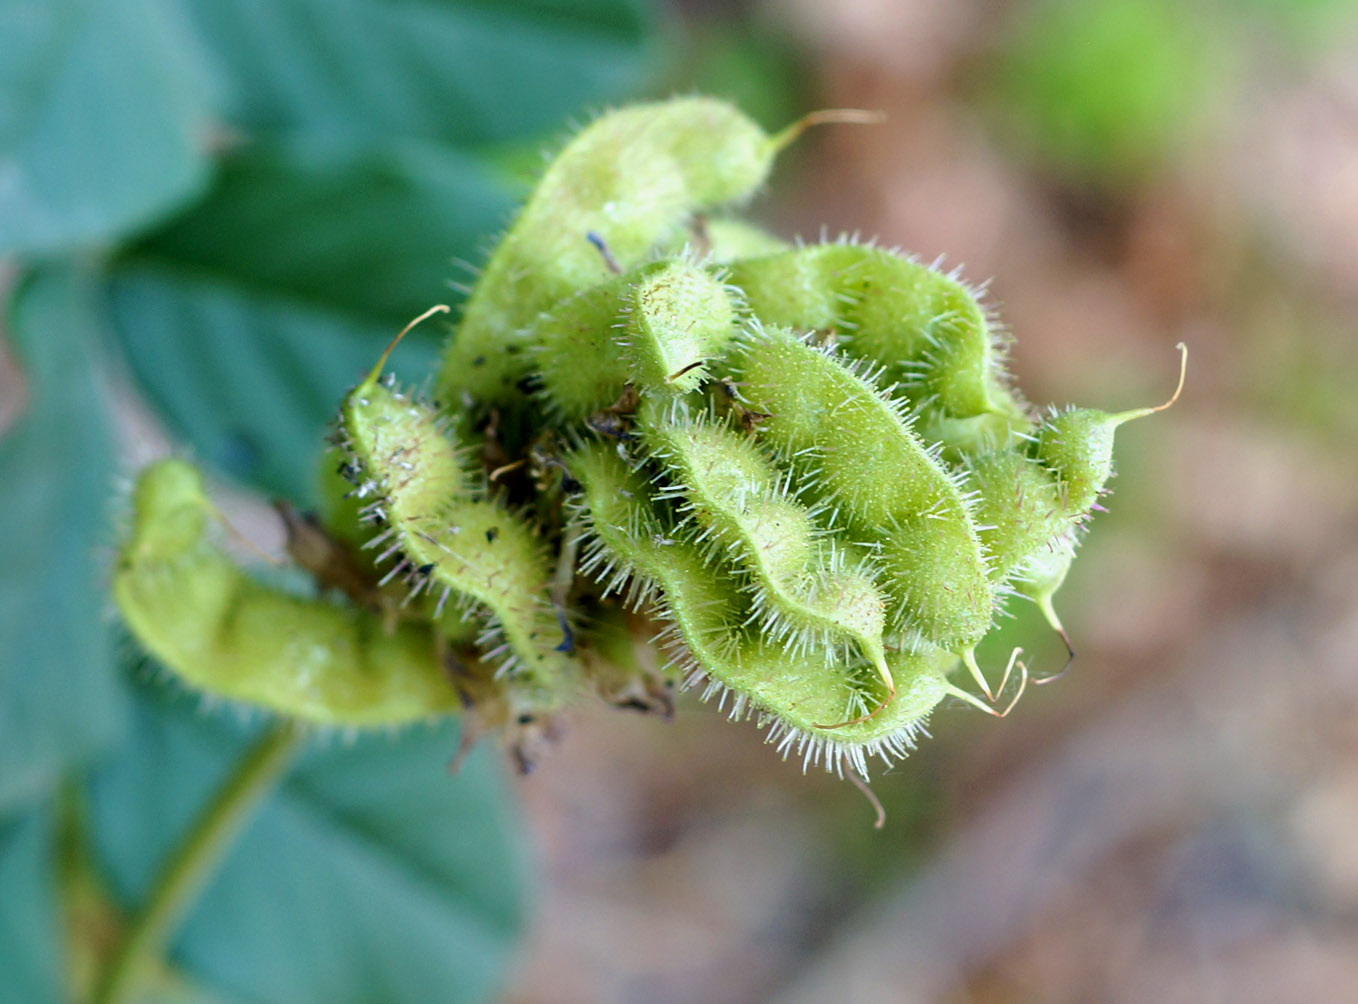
(628, 182)
(1077, 446)
(1032, 503)
(655, 327)
(444, 537)
(636, 549)
(809, 591)
(852, 445)
(1018, 509)
(222, 632)
(331, 547)
(924, 330)
(808, 463)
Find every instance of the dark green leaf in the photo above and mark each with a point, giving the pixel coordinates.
(247, 318)
(101, 123)
(59, 697)
(30, 951)
(459, 71)
(371, 875)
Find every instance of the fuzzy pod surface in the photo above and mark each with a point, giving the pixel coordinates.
(626, 182)
(224, 633)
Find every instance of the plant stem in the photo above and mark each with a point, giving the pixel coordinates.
(193, 862)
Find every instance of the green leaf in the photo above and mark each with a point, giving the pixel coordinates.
(59, 697)
(1108, 90)
(30, 950)
(101, 121)
(247, 318)
(462, 71)
(372, 874)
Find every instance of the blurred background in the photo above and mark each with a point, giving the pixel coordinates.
(1173, 820)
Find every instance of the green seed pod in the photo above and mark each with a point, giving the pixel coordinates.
(636, 549)
(1018, 509)
(629, 180)
(809, 590)
(851, 444)
(926, 331)
(333, 549)
(1077, 446)
(656, 326)
(445, 538)
(224, 633)
(1032, 505)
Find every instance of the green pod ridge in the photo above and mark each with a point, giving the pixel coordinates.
(226, 634)
(656, 326)
(635, 550)
(678, 319)
(446, 540)
(1017, 509)
(626, 183)
(808, 590)
(853, 447)
(578, 366)
(926, 330)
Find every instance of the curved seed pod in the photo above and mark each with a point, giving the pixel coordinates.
(447, 540)
(636, 551)
(1018, 509)
(656, 326)
(1032, 506)
(853, 447)
(332, 549)
(630, 179)
(222, 632)
(1077, 446)
(808, 591)
(926, 330)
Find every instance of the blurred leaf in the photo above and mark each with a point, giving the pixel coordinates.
(760, 72)
(30, 951)
(59, 697)
(100, 121)
(1310, 23)
(371, 875)
(248, 318)
(455, 70)
(1105, 90)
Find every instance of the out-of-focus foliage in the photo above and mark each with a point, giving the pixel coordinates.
(371, 874)
(59, 702)
(1107, 89)
(102, 121)
(234, 207)
(246, 317)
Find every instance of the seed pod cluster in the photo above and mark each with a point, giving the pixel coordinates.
(804, 470)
